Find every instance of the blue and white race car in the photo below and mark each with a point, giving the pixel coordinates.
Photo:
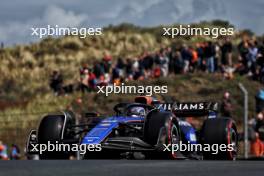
(145, 128)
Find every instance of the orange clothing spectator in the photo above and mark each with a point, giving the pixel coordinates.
(194, 56)
(257, 147)
(157, 72)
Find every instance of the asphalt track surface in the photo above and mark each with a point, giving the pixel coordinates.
(131, 168)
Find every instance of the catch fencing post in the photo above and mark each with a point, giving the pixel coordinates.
(245, 92)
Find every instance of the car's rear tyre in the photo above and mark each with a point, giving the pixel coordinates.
(219, 131)
(161, 128)
(52, 129)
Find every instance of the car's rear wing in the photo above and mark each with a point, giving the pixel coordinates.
(190, 109)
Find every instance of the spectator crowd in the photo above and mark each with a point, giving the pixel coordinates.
(210, 57)
(9, 154)
(219, 58)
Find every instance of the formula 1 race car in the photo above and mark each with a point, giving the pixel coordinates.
(143, 128)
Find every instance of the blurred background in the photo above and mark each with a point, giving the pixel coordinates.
(56, 73)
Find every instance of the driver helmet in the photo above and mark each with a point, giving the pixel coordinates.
(137, 112)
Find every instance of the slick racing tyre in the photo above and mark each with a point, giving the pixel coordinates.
(161, 128)
(219, 131)
(53, 128)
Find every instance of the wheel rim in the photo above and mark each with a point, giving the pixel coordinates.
(233, 141)
(174, 135)
(174, 138)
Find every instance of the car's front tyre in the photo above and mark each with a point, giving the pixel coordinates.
(161, 129)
